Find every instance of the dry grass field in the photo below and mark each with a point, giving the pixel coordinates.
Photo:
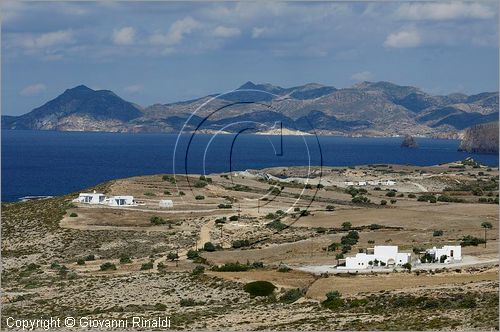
(64, 258)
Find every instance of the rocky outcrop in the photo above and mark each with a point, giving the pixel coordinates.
(482, 138)
(409, 142)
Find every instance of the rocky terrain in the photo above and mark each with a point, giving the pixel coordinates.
(367, 109)
(70, 259)
(482, 138)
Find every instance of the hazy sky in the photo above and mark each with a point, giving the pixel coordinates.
(161, 52)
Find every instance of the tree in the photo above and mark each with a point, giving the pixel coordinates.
(346, 225)
(486, 225)
(406, 266)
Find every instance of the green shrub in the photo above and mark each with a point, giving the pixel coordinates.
(438, 232)
(375, 226)
(198, 269)
(233, 218)
(108, 266)
(200, 184)
(240, 243)
(169, 178)
(188, 302)
(192, 254)
(125, 259)
(149, 193)
(469, 240)
(73, 215)
(259, 288)
(181, 193)
(411, 196)
(199, 197)
(360, 200)
(155, 220)
(346, 226)
(383, 202)
(231, 267)
(445, 198)
(225, 206)
(147, 266)
(90, 257)
(330, 208)
(427, 198)
(80, 261)
(391, 193)
(209, 246)
(291, 296)
(333, 300)
(394, 201)
(277, 225)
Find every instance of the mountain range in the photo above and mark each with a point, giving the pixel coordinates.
(365, 109)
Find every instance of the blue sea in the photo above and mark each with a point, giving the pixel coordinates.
(39, 163)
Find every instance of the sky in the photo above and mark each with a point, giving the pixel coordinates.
(161, 52)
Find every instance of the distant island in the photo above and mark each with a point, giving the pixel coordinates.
(482, 138)
(409, 142)
(365, 109)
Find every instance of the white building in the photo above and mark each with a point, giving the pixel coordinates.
(120, 200)
(90, 198)
(362, 183)
(166, 203)
(388, 255)
(388, 183)
(349, 183)
(374, 183)
(452, 253)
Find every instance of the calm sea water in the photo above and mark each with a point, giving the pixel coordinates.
(54, 163)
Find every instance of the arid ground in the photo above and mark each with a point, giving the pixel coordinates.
(61, 258)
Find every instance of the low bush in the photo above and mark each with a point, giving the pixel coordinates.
(192, 254)
(277, 225)
(198, 269)
(469, 240)
(225, 206)
(209, 246)
(199, 197)
(108, 266)
(259, 288)
(125, 259)
(147, 266)
(438, 232)
(155, 220)
(73, 215)
(233, 218)
(200, 184)
(231, 267)
(333, 300)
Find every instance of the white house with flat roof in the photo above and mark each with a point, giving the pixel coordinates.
(452, 253)
(98, 198)
(120, 200)
(90, 198)
(378, 256)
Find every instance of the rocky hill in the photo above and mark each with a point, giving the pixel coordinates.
(365, 109)
(481, 138)
(78, 109)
